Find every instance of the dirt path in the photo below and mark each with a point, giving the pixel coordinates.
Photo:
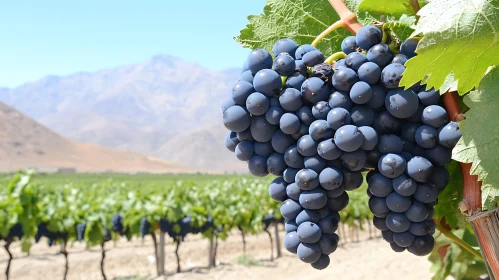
(368, 259)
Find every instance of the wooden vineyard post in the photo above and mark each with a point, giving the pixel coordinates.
(485, 224)
(211, 253)
(277, 240)
(161, 258)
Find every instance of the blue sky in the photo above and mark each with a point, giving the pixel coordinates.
(38, 38)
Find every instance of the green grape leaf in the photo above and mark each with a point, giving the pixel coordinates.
(403, 27)
(460, 37)
(300, 20)
(450, 198)
(480, 141)
(370, 11)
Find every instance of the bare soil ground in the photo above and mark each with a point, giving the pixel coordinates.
(368, 259)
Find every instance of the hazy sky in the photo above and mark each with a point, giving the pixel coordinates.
(61, 37)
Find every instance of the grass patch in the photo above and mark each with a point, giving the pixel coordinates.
(247, 260)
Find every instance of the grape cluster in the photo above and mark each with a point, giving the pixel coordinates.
(144, 227)
(186, 226)
(52, 236)
(317, 127)
(16, 231)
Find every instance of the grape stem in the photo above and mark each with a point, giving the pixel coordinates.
(415, 6)
(335, 57)
(458, 241)
(333, 27)
(348, 20)
(384, 31)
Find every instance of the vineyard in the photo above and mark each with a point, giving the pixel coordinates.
(55, 208)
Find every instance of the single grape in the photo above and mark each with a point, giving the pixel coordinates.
(338, 203)
(257, 165)
(384, 122)
(290, 99)
(276, 164)
(277, 189)
(328, 243)
(307, 146)
(370, 138)
(291, 242)
(397, 222)
(340, 99)
(362, 115)
(308, 252)
(348, 45)
(290, 225)
(355, 160)
(274, 114)
(378, 97)
(320, 130)
(324, 212)
(400, 59)
(344, 78)
(307, 215)
(289, 123)
(305, 115)
(321, 110)
(268, 82)
(328, 225)
(388, 236)
(236, 119)
(435, 116)
(281, 141)
(392, 165)
(361, 92)
(314, 90)
(227, 104)
(422, 245)
(290, 209)
(295, 81)
(429, 97)
(241, 91)
(314, 199)
(285, 46)
(401, 103)
(426, 193)
(338, 64)
(408, 48)
(313, 58)
(439, 155)
(348, 138)
(426, 136)
(380, 54)
(369, 72)
(378, 206)
(404, 185)
(380, 223)
(231, 141)
(302, 50)
(309, 232)
(440, 177)
(391, 75)
(367, 37)
(338, 117)
(322, 262)
(261, 129)
(398, 203)
(354, 60)
(403, 239)
(324, 72)
(422, 228)
(289, 175)
(380, 185)
(293, 191)
(307, 179)
(316, 163)
(336, 192)
(449, 135)
(417, 212)
(293, 158)
(259, 59)
(245, 150)
(419, 169)
(396, 248)
(328, 150)
(257, 104)
(284, 64)
(390, 143)
(409, 132)
(352, 180)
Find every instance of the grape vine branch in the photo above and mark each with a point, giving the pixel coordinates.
(458, 241)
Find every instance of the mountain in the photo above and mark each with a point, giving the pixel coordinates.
(26, 143)
(163, 107)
